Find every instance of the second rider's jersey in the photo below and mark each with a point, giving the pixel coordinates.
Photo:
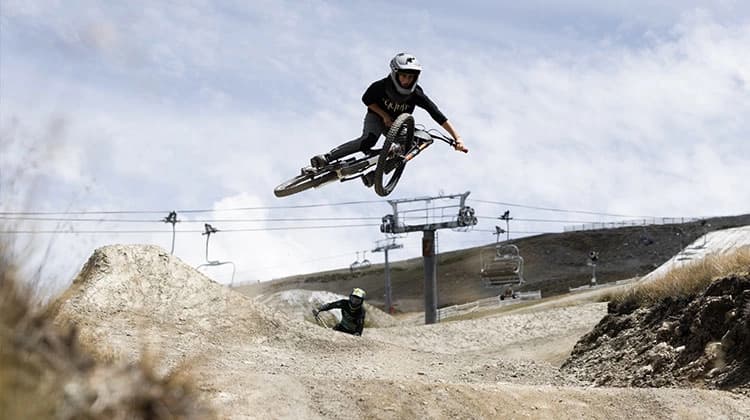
(352, 318)
(377, 93)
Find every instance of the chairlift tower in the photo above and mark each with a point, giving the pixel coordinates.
(385, 246)
(593, 258)
(208, 231)
(397, 223)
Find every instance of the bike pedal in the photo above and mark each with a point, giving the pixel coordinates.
(319, 161)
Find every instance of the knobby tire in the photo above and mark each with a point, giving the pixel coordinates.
(400, 132)
(303, 182)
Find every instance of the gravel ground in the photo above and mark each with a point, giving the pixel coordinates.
(251, 361)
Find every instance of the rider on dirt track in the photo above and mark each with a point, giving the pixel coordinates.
(386, 99)
(352, 312)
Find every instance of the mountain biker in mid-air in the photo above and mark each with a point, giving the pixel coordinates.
(386, 99)
(352, 312)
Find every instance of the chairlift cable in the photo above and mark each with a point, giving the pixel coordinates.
(100, 220)
(299, 206)
(553, 220)
(515, 231)
(557, 210)
(86, 212)
(259, 220)
(75, 232)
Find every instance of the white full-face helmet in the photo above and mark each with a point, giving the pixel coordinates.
(357, 297)
(405, 63)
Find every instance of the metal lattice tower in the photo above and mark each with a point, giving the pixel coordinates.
(593, 259)
(385, 246)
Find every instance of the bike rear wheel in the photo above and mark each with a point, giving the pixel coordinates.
(389, 168)
(303, 182)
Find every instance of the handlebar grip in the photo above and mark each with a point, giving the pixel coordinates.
(465, 150)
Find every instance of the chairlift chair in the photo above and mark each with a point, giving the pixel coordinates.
(502, 266)
(365, 263)
(209, 230)
(357, 266)
(215, 263)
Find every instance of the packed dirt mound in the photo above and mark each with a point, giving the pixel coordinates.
(143, 291)
(697, 341)
(298, 304)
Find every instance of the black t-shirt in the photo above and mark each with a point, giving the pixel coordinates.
(377, 94)
(352, 319)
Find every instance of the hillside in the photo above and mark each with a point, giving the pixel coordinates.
(553, 263)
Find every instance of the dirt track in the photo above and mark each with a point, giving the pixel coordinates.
(253, 362)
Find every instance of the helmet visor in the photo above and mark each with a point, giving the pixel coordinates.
(355, 300)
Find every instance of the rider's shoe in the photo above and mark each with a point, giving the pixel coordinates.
(369, 179)
(319, 161)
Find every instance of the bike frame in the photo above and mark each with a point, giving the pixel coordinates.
(320, 321)
(351, 168)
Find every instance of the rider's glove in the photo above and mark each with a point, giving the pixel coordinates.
(316, 312)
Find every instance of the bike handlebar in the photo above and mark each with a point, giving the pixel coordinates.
(452, 142)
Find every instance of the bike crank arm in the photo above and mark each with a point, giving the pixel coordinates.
(351, 177)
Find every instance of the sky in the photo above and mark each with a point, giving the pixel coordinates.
(574, 112)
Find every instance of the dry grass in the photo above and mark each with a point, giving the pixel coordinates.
(47, 371)
(686, 280)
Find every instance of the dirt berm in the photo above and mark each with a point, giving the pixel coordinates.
(696, 341)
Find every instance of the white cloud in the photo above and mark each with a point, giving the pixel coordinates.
(178, 108)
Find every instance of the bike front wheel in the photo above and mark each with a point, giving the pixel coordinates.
(303, 182)
(391, 163)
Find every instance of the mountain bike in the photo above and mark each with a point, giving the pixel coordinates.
(320, 321)
(403, 142)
